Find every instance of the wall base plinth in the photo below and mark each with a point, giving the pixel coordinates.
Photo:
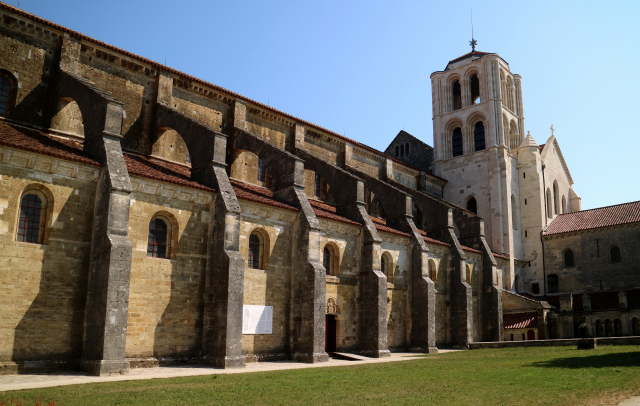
(105, 367)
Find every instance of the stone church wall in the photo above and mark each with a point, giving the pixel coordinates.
(271, 285)
(165, 296)
(399, 249)
(43, 289)
(593, 270)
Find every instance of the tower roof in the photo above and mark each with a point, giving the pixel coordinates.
(528, 141)
(472, 56)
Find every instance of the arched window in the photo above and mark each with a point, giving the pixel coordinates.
(608, 328)
(555, 197)
(159, 238)
(386, 266)
(456, 95)
(475, 89)
(564, 205)
(397, 151)
(402, 150)
(478, 136)
(568, 259)
(433, 272)
(469, 274)
(614, 253)
(406, 148)
(598, 332)
(33, 206)
(552, 283)
(472, 205)
(456, 142)
(261, 170)
(255, 251)
(327, 260)
(617, 328)
(376, 209)
(549, 213)
(5, 94)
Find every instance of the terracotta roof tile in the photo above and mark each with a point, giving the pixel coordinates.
(33, 140)
(194, 79)
(595, 218)
(520, 320)
(633, 298)
(495, 254)
(378, 220)
(257, 194)
(553, 301)
(469, 249)
(604, 300)
(325, 211)
(577, 302)
(161, 171)
(386, 229)
(431, 240)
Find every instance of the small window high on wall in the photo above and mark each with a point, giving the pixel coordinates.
(32, 217)
(5, 94)
(615, 255)
(456, 95)
(456, 142)
(158, 241)
(552, 283)
(255, 251)
(568, 259)
(472, 205)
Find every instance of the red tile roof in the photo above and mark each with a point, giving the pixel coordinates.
(633, 298)
(520, 320)
(577, 302)
(194, 79)
(553, 301)
(495, 254)
(257, 194)
(161, 171)
(604, 300)
(469, 249)
(323, 210)
(432, 240)
(33, 140)
(390, 230)
(595, 218)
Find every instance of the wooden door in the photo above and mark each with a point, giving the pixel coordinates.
(330, 333)
(531, 335)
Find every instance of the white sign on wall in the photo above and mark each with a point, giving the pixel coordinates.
(257, 319)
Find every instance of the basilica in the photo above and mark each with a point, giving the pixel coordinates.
(148, 217)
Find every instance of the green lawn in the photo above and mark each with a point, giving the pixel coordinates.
(521, 376)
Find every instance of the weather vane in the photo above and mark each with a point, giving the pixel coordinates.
(473, 42)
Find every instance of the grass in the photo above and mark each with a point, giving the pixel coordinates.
(519, 376)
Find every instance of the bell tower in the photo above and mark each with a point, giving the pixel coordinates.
(478, 125)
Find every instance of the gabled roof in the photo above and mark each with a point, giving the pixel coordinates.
(595, 218)
(545, 151)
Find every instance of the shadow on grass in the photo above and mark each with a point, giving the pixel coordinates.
(626, 359)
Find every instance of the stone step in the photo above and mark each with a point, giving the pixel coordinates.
(347, 356)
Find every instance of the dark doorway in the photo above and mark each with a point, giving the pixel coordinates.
(531, 335)
(330, 335)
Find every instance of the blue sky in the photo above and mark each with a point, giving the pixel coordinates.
(362, 68)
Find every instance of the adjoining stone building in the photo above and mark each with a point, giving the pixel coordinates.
(149, 217)
(592, 272)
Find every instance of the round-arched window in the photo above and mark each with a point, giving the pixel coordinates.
(472, 205)
(158, 240)
(32, 217)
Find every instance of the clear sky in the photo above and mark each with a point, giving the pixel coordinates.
(362, 67)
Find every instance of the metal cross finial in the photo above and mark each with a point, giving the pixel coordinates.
(552, 130)
(473, 44)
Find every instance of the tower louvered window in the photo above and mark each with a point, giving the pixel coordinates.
(456, 142)
(478, 136)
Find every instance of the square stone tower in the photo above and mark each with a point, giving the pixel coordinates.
(478, 125)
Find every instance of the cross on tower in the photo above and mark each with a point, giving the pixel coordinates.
(473, 44)
(552, 130)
